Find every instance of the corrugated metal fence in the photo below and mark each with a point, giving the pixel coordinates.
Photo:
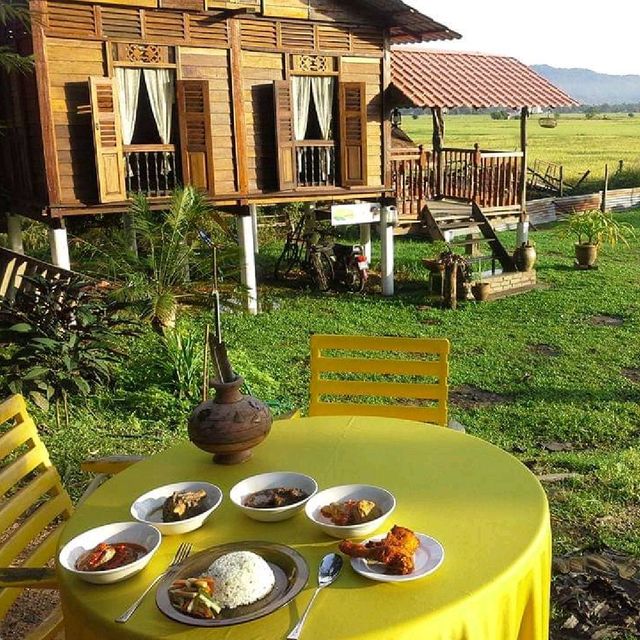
(550, 209)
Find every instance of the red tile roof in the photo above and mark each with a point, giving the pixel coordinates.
(450, 79)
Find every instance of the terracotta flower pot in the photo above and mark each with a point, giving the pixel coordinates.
(586, 254)
(231, 424)
(481, 291)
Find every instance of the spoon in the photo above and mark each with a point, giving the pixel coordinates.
(327, 573)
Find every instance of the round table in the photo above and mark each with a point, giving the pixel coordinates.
(486, 508)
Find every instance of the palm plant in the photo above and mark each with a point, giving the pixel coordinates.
(10, 60)
(152, 279)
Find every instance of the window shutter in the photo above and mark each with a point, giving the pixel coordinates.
(285, 142)
(194, 112)
(353, 133)
(107, 137)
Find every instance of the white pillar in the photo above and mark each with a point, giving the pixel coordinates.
(365, 240)
(522, 233)
(386, 241)
(248, 262)
(14, 231)
(59, 247)
(254, 227)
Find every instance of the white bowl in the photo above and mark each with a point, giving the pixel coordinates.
(383, 498)
(148, 507)
(136, 532)
(272, 481)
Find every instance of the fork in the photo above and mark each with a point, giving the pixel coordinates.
(181, 555)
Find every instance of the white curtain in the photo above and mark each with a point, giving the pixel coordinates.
(322, 88)
(301, 95)
(161, 91)
(128, 92)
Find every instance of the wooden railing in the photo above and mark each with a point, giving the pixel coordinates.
(489, 178)
(150, 169)
(16, 269)
(412, 177)
(316, 163)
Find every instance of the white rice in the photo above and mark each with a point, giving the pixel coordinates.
(240, 578)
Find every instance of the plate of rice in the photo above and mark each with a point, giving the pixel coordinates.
(249, 580)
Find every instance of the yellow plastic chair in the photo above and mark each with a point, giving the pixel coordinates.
(339, 371)
(33, 499)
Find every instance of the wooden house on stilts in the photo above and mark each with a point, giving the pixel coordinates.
(252, 101)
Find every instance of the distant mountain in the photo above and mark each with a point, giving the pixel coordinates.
(589, 87)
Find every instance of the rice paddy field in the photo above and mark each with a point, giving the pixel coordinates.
(577, 143)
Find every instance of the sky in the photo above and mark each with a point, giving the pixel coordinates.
(602, 36)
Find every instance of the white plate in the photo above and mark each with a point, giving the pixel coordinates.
(148, 507)
(428, 558)
(383, 498)
(137, 532)
(270, 481)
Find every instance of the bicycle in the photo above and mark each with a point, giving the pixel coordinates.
(330, 265)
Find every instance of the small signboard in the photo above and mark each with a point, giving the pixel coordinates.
(360, 213)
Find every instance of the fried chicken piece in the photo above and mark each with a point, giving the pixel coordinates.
(396, 550)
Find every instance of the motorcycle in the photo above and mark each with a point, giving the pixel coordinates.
(350, 267)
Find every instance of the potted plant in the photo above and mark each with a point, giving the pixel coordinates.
(591, 229)
(480, 288)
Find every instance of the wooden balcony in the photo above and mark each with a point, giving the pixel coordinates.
(151, 169)
(488, 178)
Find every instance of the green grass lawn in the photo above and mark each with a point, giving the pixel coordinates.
(578, 396)
(577, 143)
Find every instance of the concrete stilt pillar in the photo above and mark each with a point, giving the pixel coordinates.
(254, 227)
(386, 240)
(522, 233)
(248, 262)
(365, 240)
(14, 231)
(59, 246)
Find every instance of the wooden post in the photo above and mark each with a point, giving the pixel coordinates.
(450, 286)
(386, 242)
(561, 189)
(438, 144)
(14, 232)
(603, 206)
(59, 246)
(254, 227)
(248, 261)
(523, 224)
(477, 158)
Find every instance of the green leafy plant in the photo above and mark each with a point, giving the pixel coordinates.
(12, 14)
(594, 227)
(150, 281)
(62, 340)
(183, 358)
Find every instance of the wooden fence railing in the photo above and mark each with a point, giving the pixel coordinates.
(488, 178)
(15, 266)
(412, 177)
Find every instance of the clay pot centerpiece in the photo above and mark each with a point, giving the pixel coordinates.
(231, 424)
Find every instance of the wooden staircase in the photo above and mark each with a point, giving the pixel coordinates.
(463, 223)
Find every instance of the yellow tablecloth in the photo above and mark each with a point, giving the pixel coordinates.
(487, 509)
